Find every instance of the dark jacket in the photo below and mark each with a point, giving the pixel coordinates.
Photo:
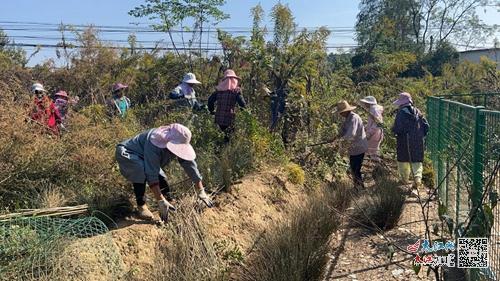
(225, 102)
(410, 128)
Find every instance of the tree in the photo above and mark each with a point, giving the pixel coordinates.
(171, 13)
(419, 25)
(16, 54)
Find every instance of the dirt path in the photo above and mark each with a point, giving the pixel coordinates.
(359, 255)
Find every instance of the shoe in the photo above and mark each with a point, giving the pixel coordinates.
(144, 213)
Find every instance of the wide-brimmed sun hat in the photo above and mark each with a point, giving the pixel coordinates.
(344, 106)
(119, 86)
(37, 87)
(190, 78)
(369, 100)
(403, 98)
(61, 93)
(176, 139)
(229, 73)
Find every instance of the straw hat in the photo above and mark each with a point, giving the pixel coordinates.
(175, 138)
(344, 106)
(369, 100)
(190, 78)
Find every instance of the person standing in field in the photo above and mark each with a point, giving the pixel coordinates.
(410, 128)
(119, 104)
(142, 157)
(374, 127)
(185, 92)
(353, 131)
(43, 111)
(224, 100)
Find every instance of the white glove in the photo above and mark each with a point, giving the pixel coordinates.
(203, 196)
(164, 206)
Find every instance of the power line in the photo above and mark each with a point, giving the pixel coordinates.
(143, 48)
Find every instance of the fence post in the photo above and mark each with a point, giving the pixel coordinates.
(478, 164)
(439, 149)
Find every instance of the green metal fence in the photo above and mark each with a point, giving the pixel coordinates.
(464, 142)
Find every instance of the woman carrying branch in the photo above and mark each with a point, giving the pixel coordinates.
(352, 131)
(225, 98)
(373, 129)
(142, 157)
(410, 128)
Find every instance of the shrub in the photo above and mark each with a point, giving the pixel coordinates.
(296, 248)
(296, 174)
(380, 208)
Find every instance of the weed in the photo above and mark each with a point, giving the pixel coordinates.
(296, 174)
(380, 208)
(296, 248)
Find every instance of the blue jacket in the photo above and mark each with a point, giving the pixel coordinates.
(410, 128)
(141, 161)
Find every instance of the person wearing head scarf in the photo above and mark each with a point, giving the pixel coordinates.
(119, 104)
(223, 101)
(373, 129)
(353, 131)
(410, 128)
(142, 157)
(185, 92)
(43, 111)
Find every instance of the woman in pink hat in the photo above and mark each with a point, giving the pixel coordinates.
(142, 157)
(410, 128)
(119, 104)
(224, 100)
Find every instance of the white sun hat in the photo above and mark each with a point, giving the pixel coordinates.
(37, 87)
(190, 78)
(369, 100)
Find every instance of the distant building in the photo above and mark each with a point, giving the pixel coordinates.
(475, 55)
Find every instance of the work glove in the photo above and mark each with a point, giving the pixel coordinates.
(164, 206)
(203, 196)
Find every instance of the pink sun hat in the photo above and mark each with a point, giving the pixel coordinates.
(119, 86)
(230, 74)
(175, 137)
(404, 98)
(61, 93)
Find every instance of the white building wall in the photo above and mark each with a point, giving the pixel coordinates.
(475, 56)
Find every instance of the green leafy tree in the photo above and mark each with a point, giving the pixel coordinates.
(420, 25)
(16, 54)
(171, 13)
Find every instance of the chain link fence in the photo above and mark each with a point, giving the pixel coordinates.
(464, 142)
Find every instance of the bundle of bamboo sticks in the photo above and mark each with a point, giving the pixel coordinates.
(48, 212)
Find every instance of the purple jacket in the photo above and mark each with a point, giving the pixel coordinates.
(410, 128)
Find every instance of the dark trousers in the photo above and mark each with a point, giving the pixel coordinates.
(140, 190)
(356, 162)
(228, 131)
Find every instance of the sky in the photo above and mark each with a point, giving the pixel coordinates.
(331, 13)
